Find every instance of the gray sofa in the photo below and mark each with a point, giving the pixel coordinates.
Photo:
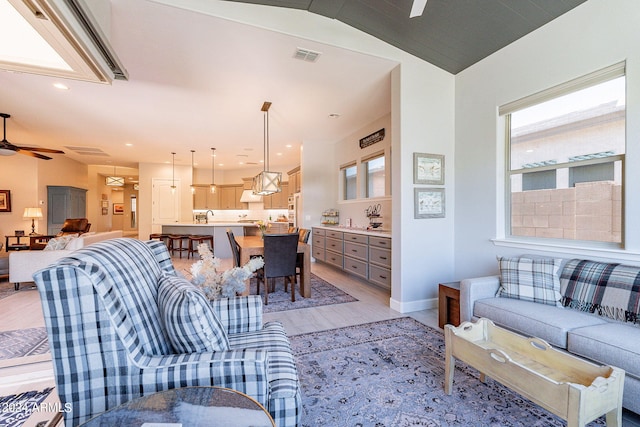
(589, 329)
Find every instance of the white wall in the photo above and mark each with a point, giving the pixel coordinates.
(594, 35)
(422, 115)
(27, 179)
(348, 150)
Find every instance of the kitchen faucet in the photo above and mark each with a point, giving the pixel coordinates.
(207, 214)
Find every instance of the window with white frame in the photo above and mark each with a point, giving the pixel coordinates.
(349, 181)
(375, 176)
(565, 158)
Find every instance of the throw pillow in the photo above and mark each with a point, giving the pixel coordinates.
(59, 243)
(530, 279)
(189, 320)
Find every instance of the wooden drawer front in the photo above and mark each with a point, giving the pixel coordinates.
(357, 238)
(334, 234)
(381, 276)
(381, 242)
(379, 256)
(318, 232)
(318, 253)
(333, 258)
(356, 250)
(333, 244)
(318, 241)
(356, 267)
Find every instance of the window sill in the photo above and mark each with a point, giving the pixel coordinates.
(604, 253)
(367, 200)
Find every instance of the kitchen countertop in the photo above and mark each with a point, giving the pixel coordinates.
(377, 233)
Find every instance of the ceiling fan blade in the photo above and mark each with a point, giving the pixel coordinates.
(42, 150)
(418, 8)
(32, 154)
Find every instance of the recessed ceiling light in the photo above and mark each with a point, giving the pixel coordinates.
(288, 145)
(278, 154)
(61, 86)
(334, 115)
(128, 144)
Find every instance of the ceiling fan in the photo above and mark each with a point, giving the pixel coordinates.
(8, 149)
(417, 8)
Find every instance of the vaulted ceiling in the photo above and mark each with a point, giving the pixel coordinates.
(450, 34)
(197, 81)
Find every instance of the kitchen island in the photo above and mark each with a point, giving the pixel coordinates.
(217, 229)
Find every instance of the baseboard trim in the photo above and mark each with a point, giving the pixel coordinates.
(409, 306)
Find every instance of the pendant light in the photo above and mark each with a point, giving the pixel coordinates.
(173, 173)
(115, 181)
(212, 187)
(193, 188)
(266, 182)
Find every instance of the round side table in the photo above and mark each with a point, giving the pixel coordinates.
(188, 406)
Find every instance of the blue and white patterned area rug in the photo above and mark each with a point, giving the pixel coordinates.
(322, 293)
(391, 373)
(15, 409)
(23, 342)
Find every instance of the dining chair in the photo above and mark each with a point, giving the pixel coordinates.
(235, 248)
(303, 237)
(280, 255)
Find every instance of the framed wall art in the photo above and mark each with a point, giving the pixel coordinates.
(5, 200)
(428, 169)
(118, 208)
(428, 203)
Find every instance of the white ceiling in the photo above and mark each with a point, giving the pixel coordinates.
(196, 82)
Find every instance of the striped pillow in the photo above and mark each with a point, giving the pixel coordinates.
(189, 321)
(529, 279)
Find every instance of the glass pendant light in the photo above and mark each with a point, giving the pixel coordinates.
(173, 173)
(212, 187)
(193, 188)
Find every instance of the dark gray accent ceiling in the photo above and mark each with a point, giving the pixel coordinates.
(451, 34)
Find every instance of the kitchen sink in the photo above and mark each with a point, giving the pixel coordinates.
(248, 220)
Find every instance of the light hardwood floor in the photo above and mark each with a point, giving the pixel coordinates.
(23, 310)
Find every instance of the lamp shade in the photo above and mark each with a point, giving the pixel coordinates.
(30, 213)
(266, 183)
(115, 181)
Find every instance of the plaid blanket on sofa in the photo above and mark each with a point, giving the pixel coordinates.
(609, 290)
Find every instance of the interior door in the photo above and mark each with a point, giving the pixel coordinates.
(165, 203)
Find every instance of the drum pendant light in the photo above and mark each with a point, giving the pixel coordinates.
(266, 182)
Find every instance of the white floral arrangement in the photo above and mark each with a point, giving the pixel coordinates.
(226, 284)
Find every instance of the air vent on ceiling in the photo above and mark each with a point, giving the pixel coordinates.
(306, 55)
(87, 151)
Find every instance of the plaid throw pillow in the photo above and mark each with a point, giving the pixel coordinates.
(189, 320)
(530, 280)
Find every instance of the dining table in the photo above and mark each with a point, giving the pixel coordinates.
(254, 245)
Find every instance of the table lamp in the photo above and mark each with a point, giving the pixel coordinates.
(32, 213)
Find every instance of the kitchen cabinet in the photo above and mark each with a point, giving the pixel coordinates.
(295, 180)
(277, 200)
(204, 199)
(230, 197)
(362, 254)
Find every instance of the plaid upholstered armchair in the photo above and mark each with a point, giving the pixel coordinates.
(122, 324)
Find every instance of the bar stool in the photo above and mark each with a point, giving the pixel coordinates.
(160, 236)
(197, 239)
(176, 243)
